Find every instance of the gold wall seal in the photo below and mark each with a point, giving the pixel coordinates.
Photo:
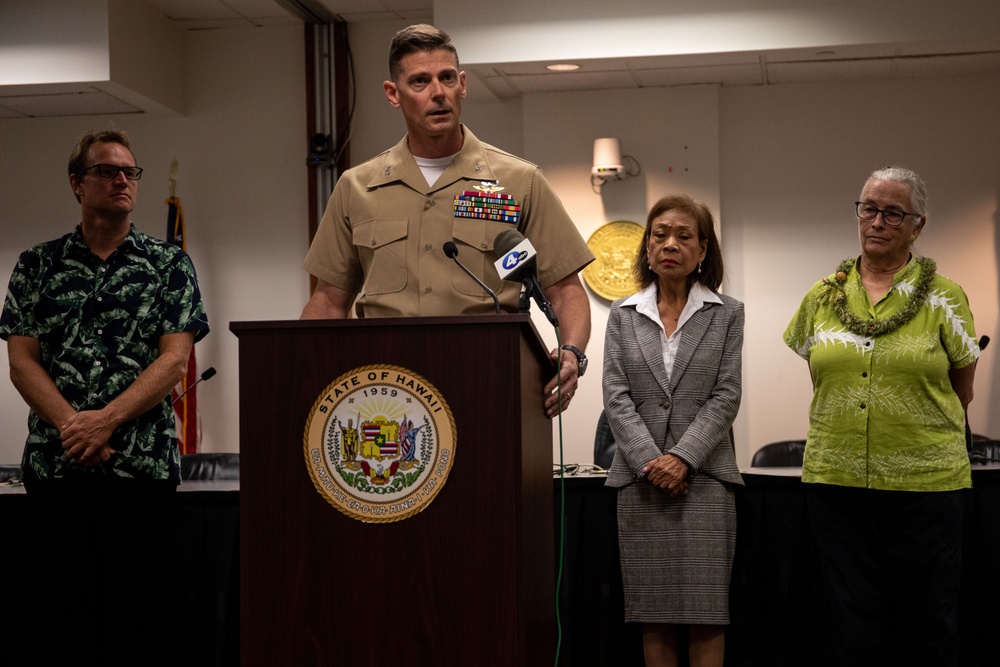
(379, 443)
(614, 246)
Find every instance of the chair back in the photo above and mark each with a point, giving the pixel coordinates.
(604, 443)
(784, 454)
(210, 466)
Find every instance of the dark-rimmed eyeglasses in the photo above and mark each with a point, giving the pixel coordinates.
(890, 216)
(111, 171)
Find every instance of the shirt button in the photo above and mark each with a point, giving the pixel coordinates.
(100, 298)
(484, 245)
(428, 247)
(428, 289)
(665, 404)
(98, 363)
(373, 243)
(100, 332)
(863, 406)
(431, 203)
(864, 375)
(868, 344)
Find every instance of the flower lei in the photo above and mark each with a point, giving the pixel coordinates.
(877, 327)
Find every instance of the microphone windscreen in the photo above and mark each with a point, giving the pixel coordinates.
(209, 372)
(505, 242)
(450, 249)
(983, 342)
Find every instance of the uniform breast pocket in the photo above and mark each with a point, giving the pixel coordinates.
(381, 243)
(475, 240)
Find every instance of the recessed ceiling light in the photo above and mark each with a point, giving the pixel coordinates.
(562, 67)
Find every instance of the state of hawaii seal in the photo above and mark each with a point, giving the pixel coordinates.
(379, 443)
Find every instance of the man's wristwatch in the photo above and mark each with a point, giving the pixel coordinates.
(581, 359)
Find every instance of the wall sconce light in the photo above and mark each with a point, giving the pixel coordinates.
(609, 164)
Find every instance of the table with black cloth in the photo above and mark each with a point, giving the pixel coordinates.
(204, 582)
(773, 602)
(774, 608)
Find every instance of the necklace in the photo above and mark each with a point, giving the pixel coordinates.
(873, 327)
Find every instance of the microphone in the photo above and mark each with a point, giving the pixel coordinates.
(516, 263)
(451, 250)
(209, 373)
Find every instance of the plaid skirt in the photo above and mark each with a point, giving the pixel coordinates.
(677, 553)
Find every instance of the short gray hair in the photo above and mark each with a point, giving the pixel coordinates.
(909, 178)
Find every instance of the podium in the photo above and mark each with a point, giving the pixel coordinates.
(469, 579)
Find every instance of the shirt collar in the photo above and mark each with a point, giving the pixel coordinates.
(132, 242)
(645, 302)
(398, 164)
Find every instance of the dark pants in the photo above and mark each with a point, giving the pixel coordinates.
(890, 569)
(98, 582)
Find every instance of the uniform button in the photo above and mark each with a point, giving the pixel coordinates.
(484, 245)
(428, 289)
(373, 243)
(431, 203)
(428, 247)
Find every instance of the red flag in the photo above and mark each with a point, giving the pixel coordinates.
(185, 409)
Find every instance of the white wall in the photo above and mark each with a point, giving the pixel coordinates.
(740, 150)
(242, 180)
(779, 165)
(794, 161)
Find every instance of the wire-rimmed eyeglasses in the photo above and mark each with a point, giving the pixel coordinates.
(111, 171)
(890, 216)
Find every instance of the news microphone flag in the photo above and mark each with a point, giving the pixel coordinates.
(186, 408)
(511, 265)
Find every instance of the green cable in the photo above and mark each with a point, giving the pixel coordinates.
(562, 497)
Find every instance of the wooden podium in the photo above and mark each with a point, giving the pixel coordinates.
(470, 578)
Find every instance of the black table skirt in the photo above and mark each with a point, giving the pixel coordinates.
(773, 600)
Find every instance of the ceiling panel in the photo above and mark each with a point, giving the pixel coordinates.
(82, 103)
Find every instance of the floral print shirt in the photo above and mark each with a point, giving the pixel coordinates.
(99, 324)
(884, 414)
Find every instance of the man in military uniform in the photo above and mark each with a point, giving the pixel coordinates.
(380, 241)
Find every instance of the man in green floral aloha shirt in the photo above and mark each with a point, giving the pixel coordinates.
(99, 326)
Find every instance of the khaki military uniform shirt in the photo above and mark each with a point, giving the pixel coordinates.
(384, 229)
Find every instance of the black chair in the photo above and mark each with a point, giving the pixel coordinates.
(604, 443)
(784, 454)
(10, 473)
(985, 450)
(210, 466)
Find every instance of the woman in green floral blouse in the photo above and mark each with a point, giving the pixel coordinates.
(892, 353)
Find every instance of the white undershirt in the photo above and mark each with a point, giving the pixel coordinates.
(433, 167)
(645, 304)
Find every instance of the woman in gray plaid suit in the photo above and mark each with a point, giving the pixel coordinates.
(672, 386)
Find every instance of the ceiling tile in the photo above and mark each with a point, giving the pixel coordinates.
(83, 103)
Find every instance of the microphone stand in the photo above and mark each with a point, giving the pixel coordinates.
(209, 372)
(451, 250)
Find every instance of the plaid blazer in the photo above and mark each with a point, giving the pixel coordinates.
(690, 416)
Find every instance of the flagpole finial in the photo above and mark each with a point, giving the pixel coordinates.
(172, 177)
